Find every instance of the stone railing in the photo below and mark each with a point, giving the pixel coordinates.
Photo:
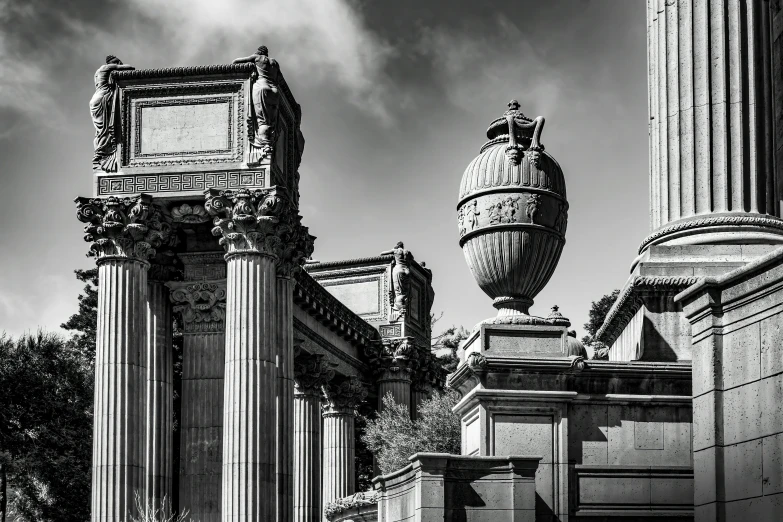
(360, 507)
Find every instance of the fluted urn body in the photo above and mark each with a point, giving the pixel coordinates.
(513, 213)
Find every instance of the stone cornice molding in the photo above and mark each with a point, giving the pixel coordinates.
(384, 259)
(631, 300)
(344, 397)
(246, 221)
(311, 373)
(757, 221)
(202, 305)
(126, 228)
(314, 299)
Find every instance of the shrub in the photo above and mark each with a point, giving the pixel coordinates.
(393, 437)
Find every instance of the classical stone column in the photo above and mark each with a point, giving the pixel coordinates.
(713, 177)
(124, 234)
(159, 460)
(202, 308)
(255, 229)
(311, 372)
(339, 411)
(297, 246)
(392, 361)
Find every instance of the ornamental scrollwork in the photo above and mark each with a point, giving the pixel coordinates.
(202, 305)
(296, 242)
(247, 221)
(123, 227)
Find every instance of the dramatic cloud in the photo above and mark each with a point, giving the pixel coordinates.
(324, 41)
(476, 62)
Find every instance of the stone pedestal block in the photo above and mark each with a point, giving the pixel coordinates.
(737, 332)
(438, 486)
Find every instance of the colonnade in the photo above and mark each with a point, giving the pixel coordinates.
(278, 431)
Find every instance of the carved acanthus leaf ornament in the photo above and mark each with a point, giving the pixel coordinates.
(247, 221)
(346, 395)
(122, 227)
(311, 373)
(202, 305)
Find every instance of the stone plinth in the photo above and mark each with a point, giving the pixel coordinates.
(737, 325)
(438, 486)
(712, 85)
(612, 436)
(645, 324)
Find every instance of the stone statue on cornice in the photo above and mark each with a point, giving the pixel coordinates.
(105, 115)
(265, 102)
(401, 280)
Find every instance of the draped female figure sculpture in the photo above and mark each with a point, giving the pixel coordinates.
(401, 277)
(104, 115)
(265, 100)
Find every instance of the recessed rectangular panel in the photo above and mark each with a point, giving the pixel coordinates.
(362, 297)
(185, 128)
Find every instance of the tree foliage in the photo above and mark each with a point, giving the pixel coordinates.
(449, 339)
(393, 437)
(84, 323)
(46, 427)
(598, 311)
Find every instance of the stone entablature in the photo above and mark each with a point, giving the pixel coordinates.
(311, 297)
(366, 286)
(191, 128)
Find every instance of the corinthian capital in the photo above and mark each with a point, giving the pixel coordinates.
(122, 227)
(311, 373)
(296, 244)
(345, 396)
(247, 221)
(202, 305)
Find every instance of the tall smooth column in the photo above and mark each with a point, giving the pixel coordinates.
(711, 139)
(124, 234)
(311, 372)
(159, 460)
(339, 411)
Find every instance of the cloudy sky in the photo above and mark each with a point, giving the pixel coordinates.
(396, 99)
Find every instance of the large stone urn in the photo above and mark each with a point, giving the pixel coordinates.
(512, 215)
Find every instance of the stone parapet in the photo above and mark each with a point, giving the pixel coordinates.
(439, 486)
(736, 323)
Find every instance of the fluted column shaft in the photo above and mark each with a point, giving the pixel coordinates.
(710, 91)
(249, 418)
(338, 454)
(120, 374)
(396, 381)
(285, 399)
(160, 399)
(307, 455)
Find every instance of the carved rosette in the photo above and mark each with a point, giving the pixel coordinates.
(130, 228)
(311, 374)
(202, 305)
(247, 221)
(344, 397)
